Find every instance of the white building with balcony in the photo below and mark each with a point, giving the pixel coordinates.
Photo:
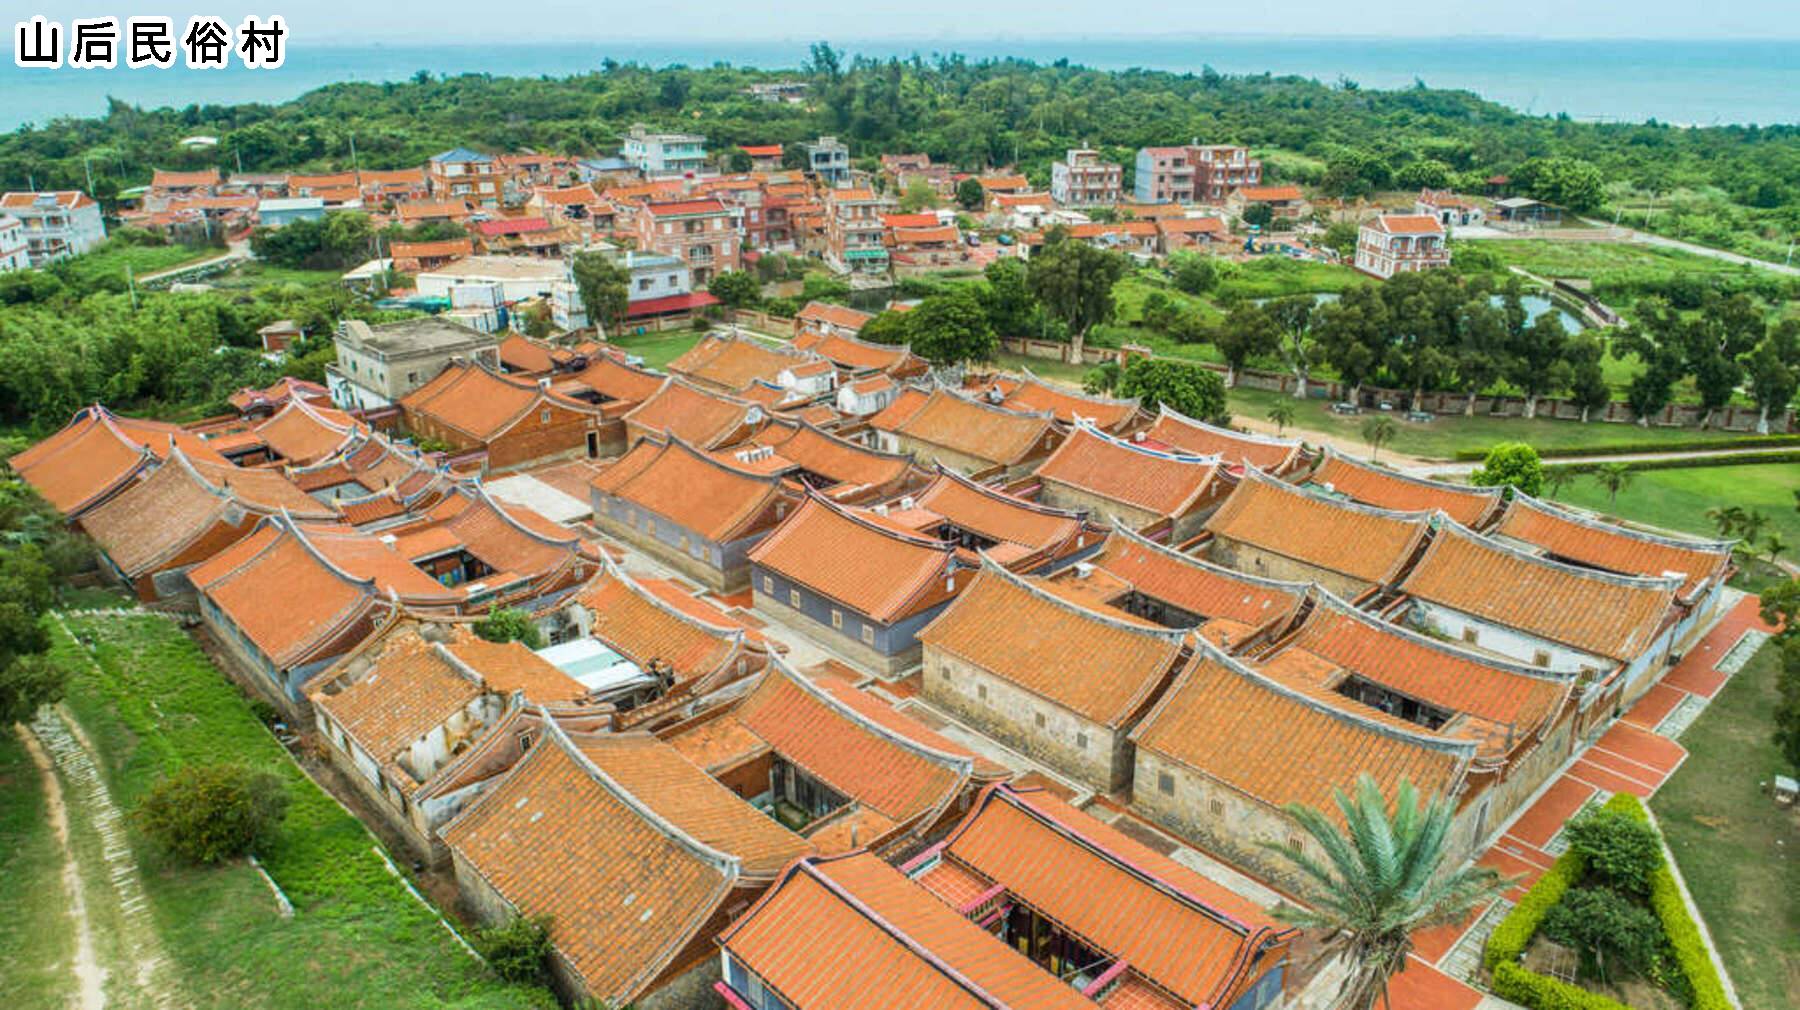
(1398, 243)
(55, 225)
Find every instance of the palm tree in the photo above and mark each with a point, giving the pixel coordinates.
(1751, 525)
(1379, 431)
(1282, 415)
(1726, 518)
(1380, 882)
(1774, 547)
(1614, 477)
(1556, 478)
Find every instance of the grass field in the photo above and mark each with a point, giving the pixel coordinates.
(1600, 261)
(35, 932)
(105, 266)
(1734, 846)
(1678, 499)
(658, 347)
(357, 939)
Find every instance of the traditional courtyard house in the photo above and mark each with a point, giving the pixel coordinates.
(55, 225)
(513, 423)
(635, 856)
(1175, 234)
(1503, 600)
(1344, 476)
(968, 435)
(1278, 457)
(860, 584)
(1019, 535)
(1285, 203)
(1047, 676)
(525, 358)
(156, 529)
(399, 711)
(854, 232)
(378, 365)
(465, 175)
(903, 402)
(650, 650)
(855, 357)
(412, 257)
(1401, 243)
(1164, 494)
(1159, 584)
(1136, 237)
(572, 204)
(312, 185)
(763, 157)
(1270, 528)
(299, 434)
(701, 233)
(495, 555)
(812, 458)
(372, 463)
(1517, 715)
(833, 763)
(1570, 537)
(1229, 747)
(693, 415)
(1451, 210)
(728, 363)
(689, 509)
(1030, 394)
(97, 455)
(828, 319)
(616, 388)
(418, 212)
(1029, 903)
(167, 186)
(254, 404)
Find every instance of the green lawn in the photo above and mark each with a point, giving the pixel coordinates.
(105, 265)
(658, 347)
(1678, 499)
(1734, 846)
(357, 938)
(36, 936)
(1599, 261)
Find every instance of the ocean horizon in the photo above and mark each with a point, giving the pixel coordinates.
(1704, 83)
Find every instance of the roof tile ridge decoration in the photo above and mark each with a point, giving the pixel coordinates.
(1672, 583)
(1047, 416)
(1494, 493)
(271, 520)
(1592, 522)
(226, 494)
(292, 528)
(963, 765)
(480, 492)
(1206, 651)
(617, 571)
(1138, 539)
(1174, 636)
(1079, 394)
(892, 532)
(299, 403)
(1248, 436)
(1173, 455)
(1001, 497)
(726, 863)
(858, 447)
(1326, 598)
(1423, 516)
(109, 421)
(677, 442)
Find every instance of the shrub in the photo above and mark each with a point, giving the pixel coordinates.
(1608, 928)
(516, 949)
(1511, 464)
(1508, 940)
(1677, 925)
(1623, 851)
(510, 625)
(208, 813)
(1541, 992)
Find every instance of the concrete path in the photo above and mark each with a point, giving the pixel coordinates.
(1663, 241)
(233, 253)
(1462, 469)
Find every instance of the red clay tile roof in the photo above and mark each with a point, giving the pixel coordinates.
(1607, 615)
(454, 248)
(1213, 592)
(852, 933)
(520, 353)
(1107, 414)
(572, 195)
(328, 180)
(855, 355)
(1162, 483)
(1003, 182)
(163, 178)
(761, 150)
(1360, 541)
(1192, 937)
(642, 627)
(1098, 230)
(1190, 225)
(840, 316)
(616, 380)
(693, 490)
(1269, 194)
(997, 515)
(679, 208)
(692, 415)
(1408, 224)
(1585, 541)
(906, 404)
(1389, 489)
(302, 434)
(976, 429)
(1270, 455)
(1097, 666)
(420, 210)
(873, 568)
(510, 226)
(478, 402)
(849, 464)
(1428, 670)
(625, 888)
(96, 453)
(1217, 719)
(736, 362)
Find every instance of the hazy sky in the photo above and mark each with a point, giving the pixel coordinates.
(425, 21)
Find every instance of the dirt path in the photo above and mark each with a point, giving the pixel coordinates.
(90, 978)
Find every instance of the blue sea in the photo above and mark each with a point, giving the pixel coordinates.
(1683, 82)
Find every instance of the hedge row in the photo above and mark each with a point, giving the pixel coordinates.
(1510, 937)
(1679, 926)
(1514, 982)
(1696, 444)
(1690, 462)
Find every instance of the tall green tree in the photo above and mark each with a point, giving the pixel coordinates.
(1293, 317)
(1184, 386)
(1008, 296)
(1511, 464)
(1246, 332)
(605, 290)
(1537, 361)
(1352, 335)
(1074, 282)
(952, 327)
(1774, 371)
(735, 288)
(970, 196)
(1588, 388)
(1381, 879)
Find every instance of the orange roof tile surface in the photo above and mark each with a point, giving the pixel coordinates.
(997, 515)
(469, 398)
(1607, 615)
(977, 429)
(840, 316)
(692, 415)
(735, 362)
(691, 489)
(875, 569)
(1032, 394)
(280, 595)
(302, 434)
(1584, 541)
(642, 626)
(855, 355)
(1357, 540)
(96, 453)
(1208, 590)
(1097, 666)
(615, 380)
(1388, 489)
(907, 403)
(847, 463)
(1271, 455)
(1409, 224)
(1164, 484)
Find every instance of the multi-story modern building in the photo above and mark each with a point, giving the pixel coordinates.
(1082, 179)
(829, 159)
(377, 365)
(14, 254)
(1397, 243)
(663, 154)
(55, 225)
(1195, 173)
(463, 175)
(854, 232)
(701, 233)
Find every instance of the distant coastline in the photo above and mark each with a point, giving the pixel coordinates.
(1683, 82)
